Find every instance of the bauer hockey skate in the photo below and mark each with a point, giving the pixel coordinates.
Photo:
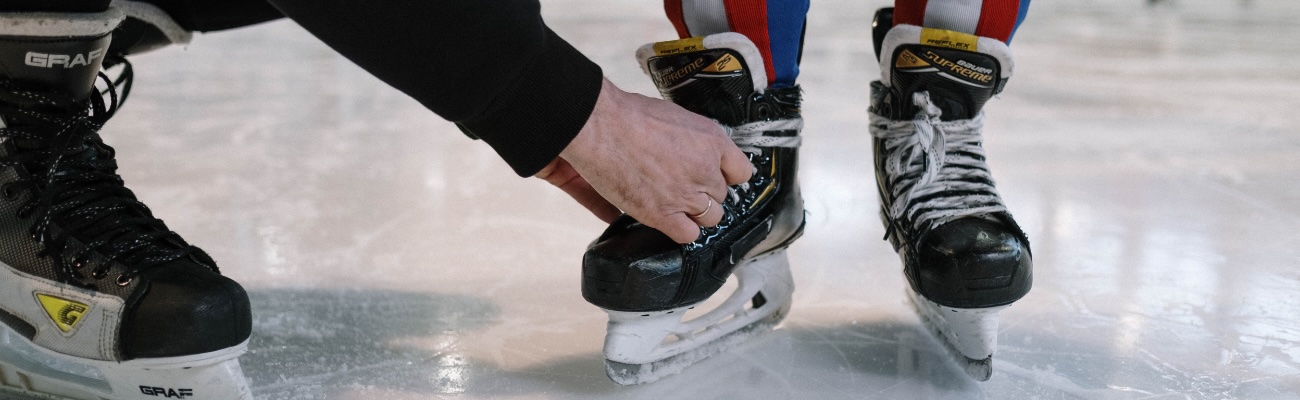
(647, 282)
(964, 256)
(98, 298)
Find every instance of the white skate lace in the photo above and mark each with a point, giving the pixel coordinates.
(935, 169)
(749, 137)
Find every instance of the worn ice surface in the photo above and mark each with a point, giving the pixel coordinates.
(1151, 152)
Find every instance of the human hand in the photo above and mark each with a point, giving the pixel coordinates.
(561, 174)
(652, 159)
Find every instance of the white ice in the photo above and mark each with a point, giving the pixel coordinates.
(1150, 150)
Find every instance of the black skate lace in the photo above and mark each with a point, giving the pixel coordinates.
(935, 170)
(75, 185)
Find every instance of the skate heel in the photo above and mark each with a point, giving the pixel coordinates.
(34, 371)
(643, 347)
(969, 334)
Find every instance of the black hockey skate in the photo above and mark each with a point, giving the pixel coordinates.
(98, 298)
(646, 281)
(964, 256)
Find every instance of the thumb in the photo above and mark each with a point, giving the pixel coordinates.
(678, 227)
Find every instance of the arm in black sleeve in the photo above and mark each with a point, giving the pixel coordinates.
(493, 67)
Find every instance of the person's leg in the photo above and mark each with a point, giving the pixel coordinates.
(963, 254)
(737, 64)
(89, 278)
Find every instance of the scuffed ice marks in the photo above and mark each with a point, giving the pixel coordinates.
(312, 343)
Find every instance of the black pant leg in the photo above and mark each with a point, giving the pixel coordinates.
(216, 15)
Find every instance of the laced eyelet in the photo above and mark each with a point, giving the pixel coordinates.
(123, 280)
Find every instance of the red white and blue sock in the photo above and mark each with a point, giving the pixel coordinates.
(775, 26)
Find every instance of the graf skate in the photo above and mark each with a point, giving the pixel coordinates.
(98, 298)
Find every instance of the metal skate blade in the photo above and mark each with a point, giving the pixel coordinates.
(980, 370)
(636, 374)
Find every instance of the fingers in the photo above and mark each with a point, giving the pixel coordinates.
(736, 168)
(679, 227)
(710, 212)
(561, 174)
(587, 196)
(656, 161)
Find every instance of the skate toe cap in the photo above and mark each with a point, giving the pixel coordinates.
(185, 309)
(973, 262)
(636, 267)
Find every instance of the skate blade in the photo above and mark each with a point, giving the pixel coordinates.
(635, 347)
(636, 374)
(968, 335)
(36, 372)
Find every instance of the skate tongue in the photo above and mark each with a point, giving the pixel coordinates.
(69, 65)
(714, 76)
(960, 71)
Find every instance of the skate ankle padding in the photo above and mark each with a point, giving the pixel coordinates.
(712, 76)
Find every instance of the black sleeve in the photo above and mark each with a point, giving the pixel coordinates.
(491, 66)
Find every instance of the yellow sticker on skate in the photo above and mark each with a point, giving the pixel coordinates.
(951, 39)
(908, 60)
(680, 46)
(726, 63)
(65, 313)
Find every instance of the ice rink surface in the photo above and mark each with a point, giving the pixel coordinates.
(1152, 152)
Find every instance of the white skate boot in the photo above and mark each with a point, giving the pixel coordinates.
(98, 298)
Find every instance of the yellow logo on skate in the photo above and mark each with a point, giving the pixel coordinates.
(686, 45)
(65, 313)
(908, 60)
(726, 63)
(945, 38)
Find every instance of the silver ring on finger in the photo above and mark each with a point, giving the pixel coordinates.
(706, 210)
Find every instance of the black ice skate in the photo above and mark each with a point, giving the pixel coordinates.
(98, 298)
(964, 256)
(647, 282)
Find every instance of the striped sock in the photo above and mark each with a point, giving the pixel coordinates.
(996, 19)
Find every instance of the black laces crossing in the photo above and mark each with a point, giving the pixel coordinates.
(71, 176)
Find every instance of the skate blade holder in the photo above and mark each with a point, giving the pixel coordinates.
(35, 371)
(643, 347)
(969, 335)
